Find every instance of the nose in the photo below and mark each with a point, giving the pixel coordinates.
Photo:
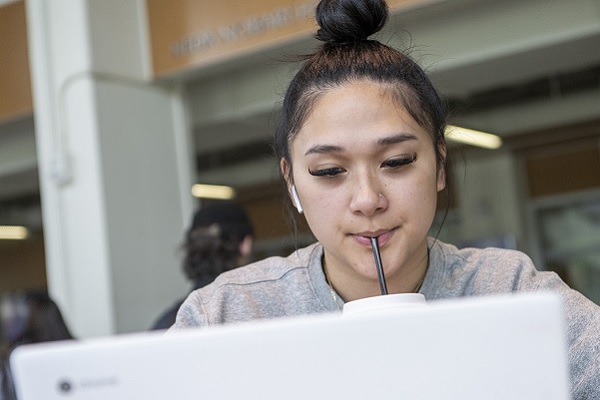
(368, 197)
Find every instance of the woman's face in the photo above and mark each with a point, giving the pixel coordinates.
(363, 167)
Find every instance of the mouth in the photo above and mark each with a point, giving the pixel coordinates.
(364, 238)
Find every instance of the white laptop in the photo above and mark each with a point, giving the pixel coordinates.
(508, 347)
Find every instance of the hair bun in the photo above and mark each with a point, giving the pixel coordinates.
(350, 20)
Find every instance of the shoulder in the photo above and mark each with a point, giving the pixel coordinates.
(264, 289)
(476, 258)
(269, 269)
(485, 271)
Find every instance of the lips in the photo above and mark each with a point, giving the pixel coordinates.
(364, 238)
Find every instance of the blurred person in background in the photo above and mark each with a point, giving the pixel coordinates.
(29, 317)
(220, 239)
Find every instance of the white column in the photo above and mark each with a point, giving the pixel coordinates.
(114, 166)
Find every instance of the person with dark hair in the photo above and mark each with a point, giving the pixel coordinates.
(34, 318)
(219, 239)
(363, 155)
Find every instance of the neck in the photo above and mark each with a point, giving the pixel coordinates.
(353, 288)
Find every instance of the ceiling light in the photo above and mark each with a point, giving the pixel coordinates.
(213, 191)
(9, 232)
(472, 137)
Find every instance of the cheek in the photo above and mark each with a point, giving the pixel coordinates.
(323, 205)
(419, 195)
(322, 211)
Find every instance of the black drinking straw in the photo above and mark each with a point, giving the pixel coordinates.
(375, 247)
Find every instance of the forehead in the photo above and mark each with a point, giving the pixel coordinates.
(357, 111)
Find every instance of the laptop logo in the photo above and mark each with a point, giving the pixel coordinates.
(64, 386)
(67, 386)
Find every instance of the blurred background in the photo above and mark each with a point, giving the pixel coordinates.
(112, 113)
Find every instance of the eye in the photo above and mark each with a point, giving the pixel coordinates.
(327, 172)
(398, 162)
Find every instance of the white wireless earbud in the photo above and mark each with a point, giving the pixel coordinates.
(296, 199)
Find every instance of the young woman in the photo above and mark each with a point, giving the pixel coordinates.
(362, 151)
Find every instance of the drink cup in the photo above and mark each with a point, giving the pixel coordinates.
(385, 303)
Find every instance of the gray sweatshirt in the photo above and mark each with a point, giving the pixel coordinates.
(295, 285)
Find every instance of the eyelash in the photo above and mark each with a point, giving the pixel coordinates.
(327, 172)
(401, 161)
(392, 164)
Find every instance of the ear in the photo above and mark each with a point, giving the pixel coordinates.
(292, 192)
(441, 169)
(286, 172)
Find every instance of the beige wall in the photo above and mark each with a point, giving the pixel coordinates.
(15, 86)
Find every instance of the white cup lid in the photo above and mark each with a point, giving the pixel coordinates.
(397, 301)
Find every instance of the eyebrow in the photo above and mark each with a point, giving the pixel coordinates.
(323, 149)
(398, 138)
(386, 141)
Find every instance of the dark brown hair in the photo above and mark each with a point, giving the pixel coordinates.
(212, 243)
(347, 54)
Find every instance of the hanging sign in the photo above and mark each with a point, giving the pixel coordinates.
(190, 34)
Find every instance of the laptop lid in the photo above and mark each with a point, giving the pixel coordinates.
(506, 347)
